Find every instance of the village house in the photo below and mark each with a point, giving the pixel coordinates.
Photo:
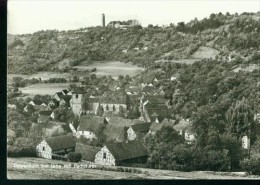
(44, 116)
(65, 100)
(53, 146)
(132, 90)
(114, 100)
(90, 127)
(115, 133)
(122, 122)
(154, 108)
(184, 127)
(116, 154)
(245, 142)
(155, 126)
(53, 104)
(87, 152)
(93, 104)
(37, 105)
(138, 131)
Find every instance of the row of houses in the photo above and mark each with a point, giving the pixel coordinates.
(112, 154)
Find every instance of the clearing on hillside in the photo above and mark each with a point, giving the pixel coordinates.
(44, 88)
(113, 68)
(205, 52)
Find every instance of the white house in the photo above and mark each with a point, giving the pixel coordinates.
(58, 145)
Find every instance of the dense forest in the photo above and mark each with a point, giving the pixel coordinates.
(229, 34)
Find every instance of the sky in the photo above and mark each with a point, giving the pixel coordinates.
(29, 16)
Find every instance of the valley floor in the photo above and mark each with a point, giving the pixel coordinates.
(33, 168)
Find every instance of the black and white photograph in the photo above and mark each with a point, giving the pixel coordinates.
(140, 90)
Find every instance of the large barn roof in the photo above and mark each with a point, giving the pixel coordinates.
(130, 150)
(92, 124)
(87, 152)
(61, 142)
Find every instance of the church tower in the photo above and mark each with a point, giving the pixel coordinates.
(77, 102)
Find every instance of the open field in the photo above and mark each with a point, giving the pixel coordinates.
(38, 168)
(247, 69)
(181, 61)
(205, 52)
(44, 88)
(113, 68)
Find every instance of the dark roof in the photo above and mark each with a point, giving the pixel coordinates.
(61, 142)
(142, 127)
(92, 124)
(130, 150)
(45, 112)
(87, 152)
(65, 91)
(155, 99)
(150, 89)
(37, 102)
(66, 98)
(43, 118)
(115, 133)
(59, 94)
(114, 97)
(78, 91)
(94, 99)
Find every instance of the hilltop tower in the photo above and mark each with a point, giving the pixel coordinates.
(103, 20)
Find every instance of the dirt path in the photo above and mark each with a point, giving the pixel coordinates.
(38, 168)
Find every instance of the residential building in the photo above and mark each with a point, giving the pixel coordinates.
(87, 152)
(90, 127)
(138, 131)
(59, 145)
(116, 154)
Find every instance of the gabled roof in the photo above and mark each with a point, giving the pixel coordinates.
(94, 99)
(66, 98)
(130, 150)
(87, 152)
(36, 102)
(114, 97)
(92, 124)
(142, 127)
(119, 121)
(43, 118)
(155, 99)
(115, 133)
(61, 142)
(182, 125)
(45, 112)
(78, 91)
(156, 127)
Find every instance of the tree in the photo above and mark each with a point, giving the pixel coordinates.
(241, 119)
(74, 157)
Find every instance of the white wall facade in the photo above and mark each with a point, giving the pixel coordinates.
(43, 150)
(104, 157)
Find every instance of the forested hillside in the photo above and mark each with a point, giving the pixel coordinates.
(52, 50)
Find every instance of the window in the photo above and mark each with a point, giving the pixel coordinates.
(77, 95)
(43, 148)
(104, 155)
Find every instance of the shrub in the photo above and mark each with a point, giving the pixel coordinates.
(251, 165)
(74, 157)
(21, 152)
